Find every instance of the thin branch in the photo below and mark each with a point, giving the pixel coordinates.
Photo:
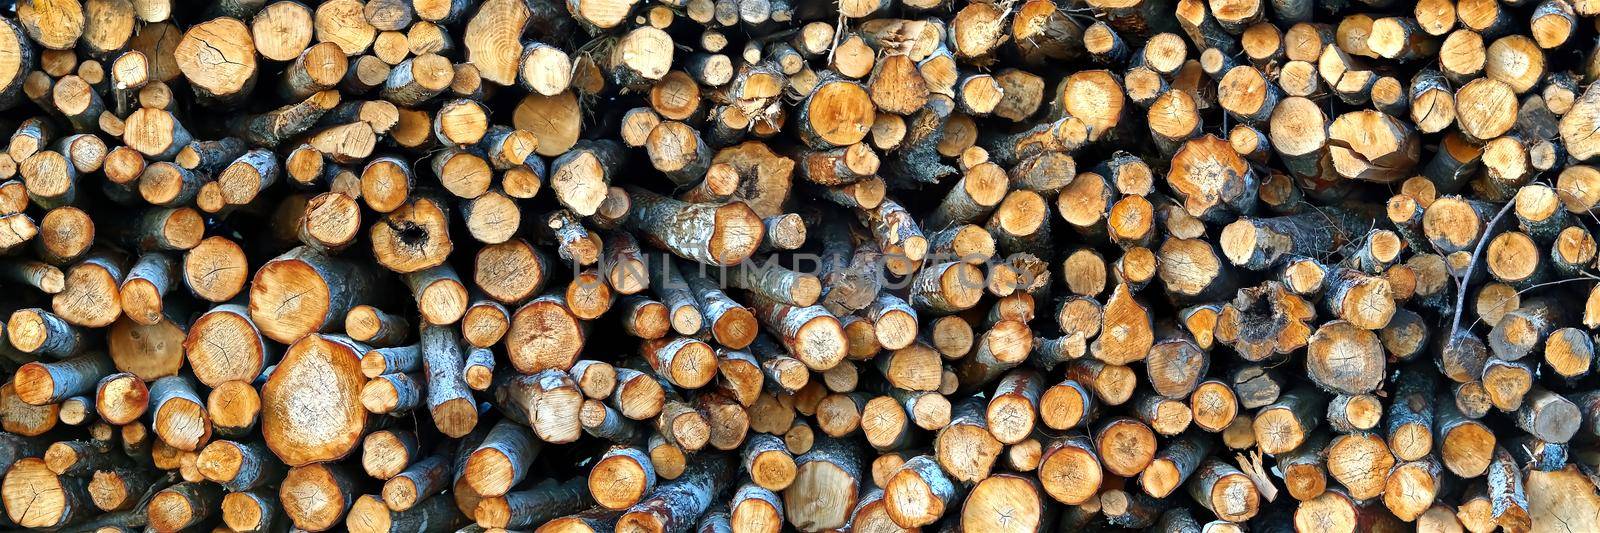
(1466, 277)
(1582, 276)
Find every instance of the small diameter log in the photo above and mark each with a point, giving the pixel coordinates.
(581, 175)
(1125, 445)
(1066, 405)
(449, 400)
(77, 458)
(1360, 462)
(119, 488)
(1548, 416)
(1411, 488)
(717, 235)
(148, 281)
(121, 398)
(1505, 383)
(684, 314)
(501, 460)
(683, 361)
(946, 288)
(918, 493)
(1410, 423)
(1174, 464)
(621, 478)
(485, 323)
(417, 483)
(413, 237)
(183, 505)
(1112, 384)
(1226, 491)
(1507, 497)
(1304, 469)
(1129, 509)
(1286, 424)
(39, 332)
(369, 514)
(1014, 406)
(753, 509)
(677, 150)
(673, 506)
(731, 324)
(233, 74)
(392, 394)
(1520, 332)
(549, 402)
(539, 503)
(1465, 445)
(391, 360)
(317, 496)
(385, 453)
(1343, 358)
(1352, 413)
(238, 466)
(40, 383)
(1215, 405)
(777, 283)
(250, 511)
(1257, 244)
(1004, 346)
(811, 334)
(768, 462)
(373, 326)
(1337, 509)
(440, 294)
(179, 415)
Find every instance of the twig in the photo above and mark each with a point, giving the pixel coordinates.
(1466, 277)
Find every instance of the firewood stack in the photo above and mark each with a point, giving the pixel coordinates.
(773, 265)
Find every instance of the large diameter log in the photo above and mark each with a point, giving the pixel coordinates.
(826, 486)
(1584, 117)
(311, 403)
(36, 497)
(304, 291)
(219, 55)
(1345, 359)
(1209, 174)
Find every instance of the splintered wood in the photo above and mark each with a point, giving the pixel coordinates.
(757, 266)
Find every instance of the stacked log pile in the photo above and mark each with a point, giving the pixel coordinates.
(774, 265)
